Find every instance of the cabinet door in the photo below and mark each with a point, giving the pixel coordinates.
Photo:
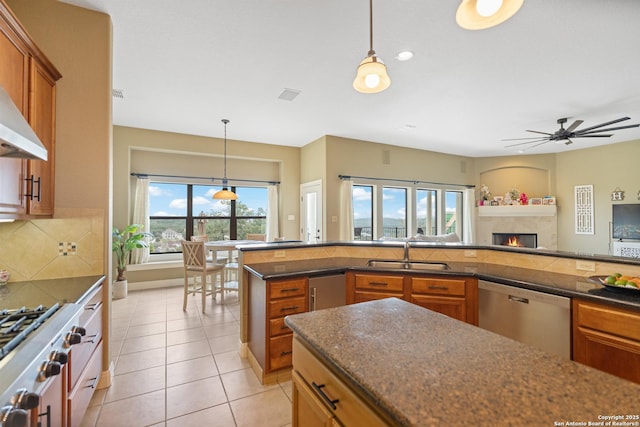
(14, 73)
(607, 339)
(452, 307)
(42, 106)
(308, 410)
(53, 402)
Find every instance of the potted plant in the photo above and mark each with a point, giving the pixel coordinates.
(122, 243)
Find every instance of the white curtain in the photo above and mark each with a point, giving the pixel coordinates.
(469, 228)
(273, 231)
(141, 216)
(346, 210)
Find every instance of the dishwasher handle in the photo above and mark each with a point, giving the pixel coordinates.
(518, 299)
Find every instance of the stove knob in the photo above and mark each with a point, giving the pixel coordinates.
(24, 399)
(48, 369)
(59, 356)
(71, 339)
(13, 417)
(79, 330)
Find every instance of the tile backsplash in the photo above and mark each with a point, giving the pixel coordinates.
(53, 248)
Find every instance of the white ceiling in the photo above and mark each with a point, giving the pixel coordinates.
(185, 65)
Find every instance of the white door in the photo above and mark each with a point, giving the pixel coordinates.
(311, 211)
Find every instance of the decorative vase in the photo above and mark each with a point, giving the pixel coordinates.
(120, 289)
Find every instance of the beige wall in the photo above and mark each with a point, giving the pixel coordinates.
(361, 158)
(146, 151)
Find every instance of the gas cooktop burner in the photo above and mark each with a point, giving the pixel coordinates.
(15, 325)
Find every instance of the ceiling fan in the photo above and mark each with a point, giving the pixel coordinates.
(566, 135)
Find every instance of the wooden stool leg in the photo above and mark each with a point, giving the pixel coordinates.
(186, 291)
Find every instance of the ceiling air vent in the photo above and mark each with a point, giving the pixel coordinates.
(289, 94)
(118, 93)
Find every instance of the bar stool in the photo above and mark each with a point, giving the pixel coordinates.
(196, 266)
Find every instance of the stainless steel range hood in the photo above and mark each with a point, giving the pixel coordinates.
(17, 138)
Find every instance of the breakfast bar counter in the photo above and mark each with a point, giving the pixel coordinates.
(416, 367)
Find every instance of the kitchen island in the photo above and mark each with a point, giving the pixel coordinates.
(412, 366)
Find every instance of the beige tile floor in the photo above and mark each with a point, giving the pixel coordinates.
(175, 368)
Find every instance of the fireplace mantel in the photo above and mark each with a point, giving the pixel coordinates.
(517, 210)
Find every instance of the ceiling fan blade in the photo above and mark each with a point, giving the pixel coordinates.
(621, 119)
(520, 139)
(582, 132)
(593, 136)
(528, 142)
(574, 125)
(543, 142)
(537, 131)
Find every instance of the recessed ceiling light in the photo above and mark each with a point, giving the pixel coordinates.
(405, 55)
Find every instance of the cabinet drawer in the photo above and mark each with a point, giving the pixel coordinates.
(80, 353)
(285, 307)
(277, 327)
(280, 352)
(614, 321)
(91, 304)
(373, 296)
(425, 285)
(288, 288)
(80, 397)
(379, 282)
(350, 409)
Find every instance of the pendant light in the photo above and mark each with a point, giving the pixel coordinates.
(482, 14)
(371, 75)
(225, 194)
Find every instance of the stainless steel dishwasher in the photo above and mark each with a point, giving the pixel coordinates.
(539, 319)
(327, 292)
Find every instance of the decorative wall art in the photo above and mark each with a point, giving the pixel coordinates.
(584, 209)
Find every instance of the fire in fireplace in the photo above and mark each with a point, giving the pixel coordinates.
(520, 240)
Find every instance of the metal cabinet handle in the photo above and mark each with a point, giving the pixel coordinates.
(295, 307)
(378, 283)
(93, 306)
(289, 289)
(518, 299)
(444, 288)
(284, 353)
(331, 402)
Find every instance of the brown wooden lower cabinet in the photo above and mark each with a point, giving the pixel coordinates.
(322, 399)
(607, 338)
(456, 297)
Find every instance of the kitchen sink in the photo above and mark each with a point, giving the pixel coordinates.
(407, 265)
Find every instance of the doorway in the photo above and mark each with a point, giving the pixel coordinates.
(311, 211)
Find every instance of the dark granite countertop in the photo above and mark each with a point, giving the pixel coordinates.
(554, 283)
(422, 368)
(47, 292)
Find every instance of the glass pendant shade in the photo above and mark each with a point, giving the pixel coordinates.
(225, 194)
(477, 14)
(371, 75)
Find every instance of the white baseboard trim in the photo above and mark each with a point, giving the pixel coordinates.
(155, 284)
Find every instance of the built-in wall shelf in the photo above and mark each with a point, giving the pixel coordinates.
(517, 210)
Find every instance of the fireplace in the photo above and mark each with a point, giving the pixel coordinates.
(520, 240)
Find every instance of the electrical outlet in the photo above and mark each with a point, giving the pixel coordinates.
(470, 253)
(279, 254)
(585, 265)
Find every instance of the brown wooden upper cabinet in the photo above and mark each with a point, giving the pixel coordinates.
(27, 75)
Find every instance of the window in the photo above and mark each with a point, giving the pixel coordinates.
(404, 211)
(394, 212)
(363, 212)
(426, 212)
(179, 211)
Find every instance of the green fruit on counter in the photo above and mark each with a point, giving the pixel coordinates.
(620, 282)
(617, 274)
(610, 280)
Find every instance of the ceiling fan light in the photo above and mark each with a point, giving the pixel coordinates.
(371, 75)
(469, 16)
(225, 194)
